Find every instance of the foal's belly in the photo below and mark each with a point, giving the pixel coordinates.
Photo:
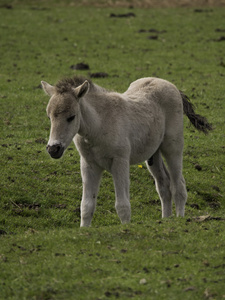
(135, 149)
(136, 158)
(142, 150)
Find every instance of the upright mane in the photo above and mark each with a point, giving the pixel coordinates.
(66, 84)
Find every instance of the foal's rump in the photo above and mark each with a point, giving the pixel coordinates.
(171, 100)
(157, 92)
(151, 86)
(155, 106)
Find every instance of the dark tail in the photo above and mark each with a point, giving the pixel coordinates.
(198, 121)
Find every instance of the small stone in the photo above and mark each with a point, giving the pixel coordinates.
(143, 281)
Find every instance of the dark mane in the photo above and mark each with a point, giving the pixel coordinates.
(64, 85)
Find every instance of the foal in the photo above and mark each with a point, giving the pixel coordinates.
(113, 130)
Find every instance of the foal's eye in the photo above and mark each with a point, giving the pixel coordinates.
(70, 119)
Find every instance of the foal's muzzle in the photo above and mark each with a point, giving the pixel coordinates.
(56, 151)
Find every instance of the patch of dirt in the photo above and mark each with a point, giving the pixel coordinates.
(219, 30)
(153, 37)
(152, 30)
(19, 207)
(99, 75)
(41, 141)
(7, 6)
(220, 39)
(195, 206)
(2, 232)
(80, 66)
(128, 15)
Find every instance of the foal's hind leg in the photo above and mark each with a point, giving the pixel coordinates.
(162, 181)
(173, 153)
(91, 176)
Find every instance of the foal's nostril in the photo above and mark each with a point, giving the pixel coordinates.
(56, 151)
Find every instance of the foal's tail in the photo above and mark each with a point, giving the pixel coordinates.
(197, 120)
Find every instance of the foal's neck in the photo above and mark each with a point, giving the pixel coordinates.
(90, 120)
(93, 108)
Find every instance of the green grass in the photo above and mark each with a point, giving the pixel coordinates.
(43, 252)
(175, 258)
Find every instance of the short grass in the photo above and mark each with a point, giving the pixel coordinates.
(170, 258)
(43, 253)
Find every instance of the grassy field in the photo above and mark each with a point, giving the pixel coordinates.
(43, 252)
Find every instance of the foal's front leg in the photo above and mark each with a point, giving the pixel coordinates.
(120, 171)
(91, 176)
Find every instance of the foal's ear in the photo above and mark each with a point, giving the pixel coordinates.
(81, 90)
(48, 88)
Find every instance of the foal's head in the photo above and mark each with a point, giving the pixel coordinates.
(64, 112)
